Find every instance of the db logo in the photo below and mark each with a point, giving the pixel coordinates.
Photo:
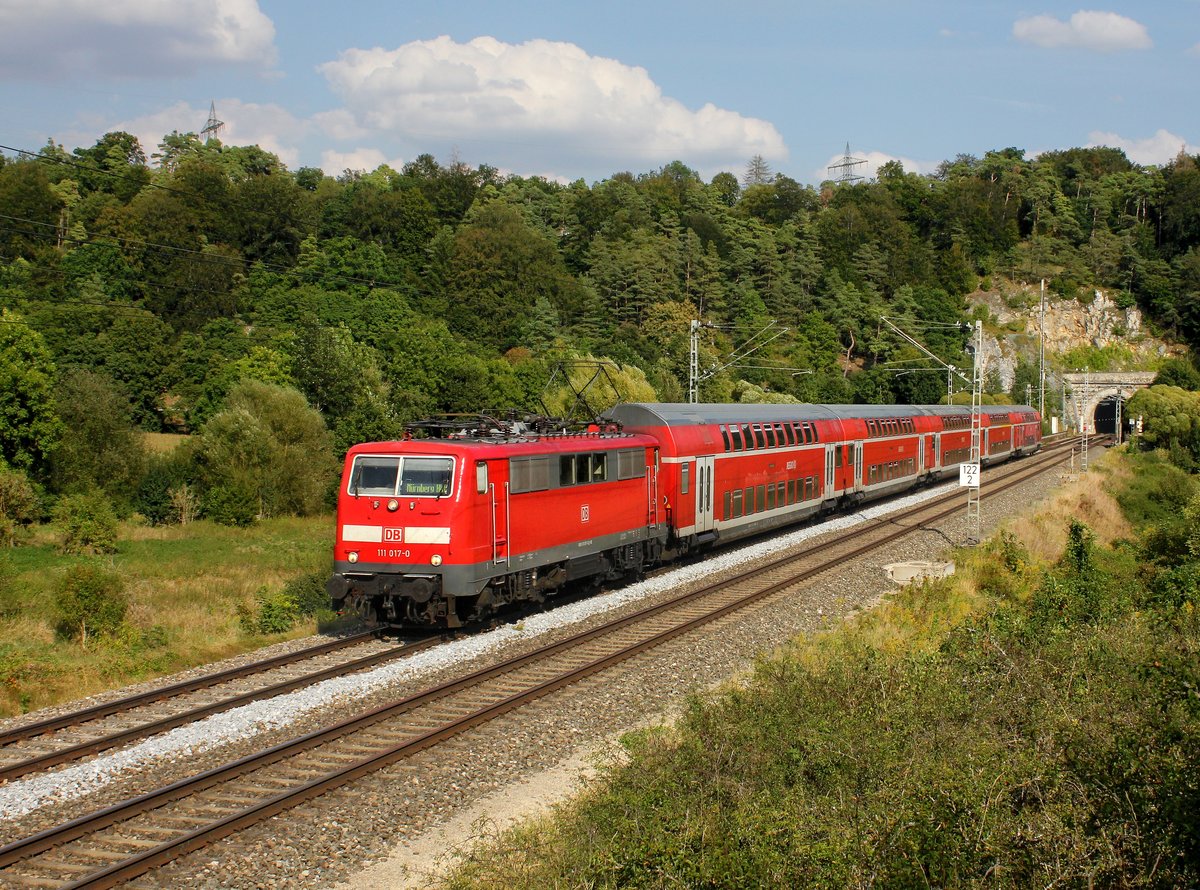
(393, 535)
(585, 513)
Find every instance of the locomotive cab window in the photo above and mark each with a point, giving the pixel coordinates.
(426, 476)
(374, 475)
(386, 476)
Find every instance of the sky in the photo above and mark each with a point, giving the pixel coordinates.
(583, 90)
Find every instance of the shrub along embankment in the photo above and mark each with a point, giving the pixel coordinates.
(1033, 721)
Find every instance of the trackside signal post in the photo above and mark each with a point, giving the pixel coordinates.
(969, 475)
(973, 490)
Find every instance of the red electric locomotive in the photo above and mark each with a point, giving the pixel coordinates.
(446, 529)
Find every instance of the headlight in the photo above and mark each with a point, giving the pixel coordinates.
(353, 557)
(393, 505)
(436, 559)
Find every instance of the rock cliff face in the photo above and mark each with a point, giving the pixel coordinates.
(1069, 324)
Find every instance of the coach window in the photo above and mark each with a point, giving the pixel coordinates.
(759, 442)
(566, 469)
(780, 494)
(770, 497)
(779, 435)
(747, 437)
(735, 436)
(749, 501)
(725, 438)
(769, 434)
(789, 434)
(728, 506)
(737, 504)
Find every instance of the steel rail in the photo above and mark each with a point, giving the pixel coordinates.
(106, 709)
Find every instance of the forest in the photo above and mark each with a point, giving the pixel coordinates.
(278, 316)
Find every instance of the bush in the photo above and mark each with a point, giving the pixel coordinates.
(273, 613)
(308, 593)
(18, 504)
(87, 522)
(268, 445)
(90, 601)
(165, 474)
(10, 604)
(231, 504)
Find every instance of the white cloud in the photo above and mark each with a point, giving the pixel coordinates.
(268, 126)
(57, 39)
(536, 105)
(874, 160)
(1086, 29)
(1159, 149)
(365, 159)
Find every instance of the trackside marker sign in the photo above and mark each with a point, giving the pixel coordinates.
(968, 475)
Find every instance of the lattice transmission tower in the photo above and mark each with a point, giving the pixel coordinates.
(845, 174)
(212, 126)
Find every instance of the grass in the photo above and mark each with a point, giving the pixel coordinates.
(162, 443)
(184, 584)
(1031, 721)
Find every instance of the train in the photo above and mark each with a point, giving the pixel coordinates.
(466, 516)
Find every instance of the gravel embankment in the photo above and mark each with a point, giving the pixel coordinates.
(400, 809)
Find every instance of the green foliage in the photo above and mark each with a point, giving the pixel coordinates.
(101, 448)
(266, 454)
(308, 593)
(19, 505)
(29, 428)
(1178, 372)
(161, 490)
(86, 523)
(90, 601)
(272, 612)
(10, 601)
(1170, 419)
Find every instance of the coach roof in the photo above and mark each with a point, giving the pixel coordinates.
(641, 415)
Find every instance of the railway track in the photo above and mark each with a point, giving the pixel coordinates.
(126, 840)
(47, 743)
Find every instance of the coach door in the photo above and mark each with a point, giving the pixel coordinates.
(832, 453)
(704, 493)
(858, 466)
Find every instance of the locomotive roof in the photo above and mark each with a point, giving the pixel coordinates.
(643, 414)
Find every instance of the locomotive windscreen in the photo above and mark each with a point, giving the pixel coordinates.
(426, 476)
(388, 476)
